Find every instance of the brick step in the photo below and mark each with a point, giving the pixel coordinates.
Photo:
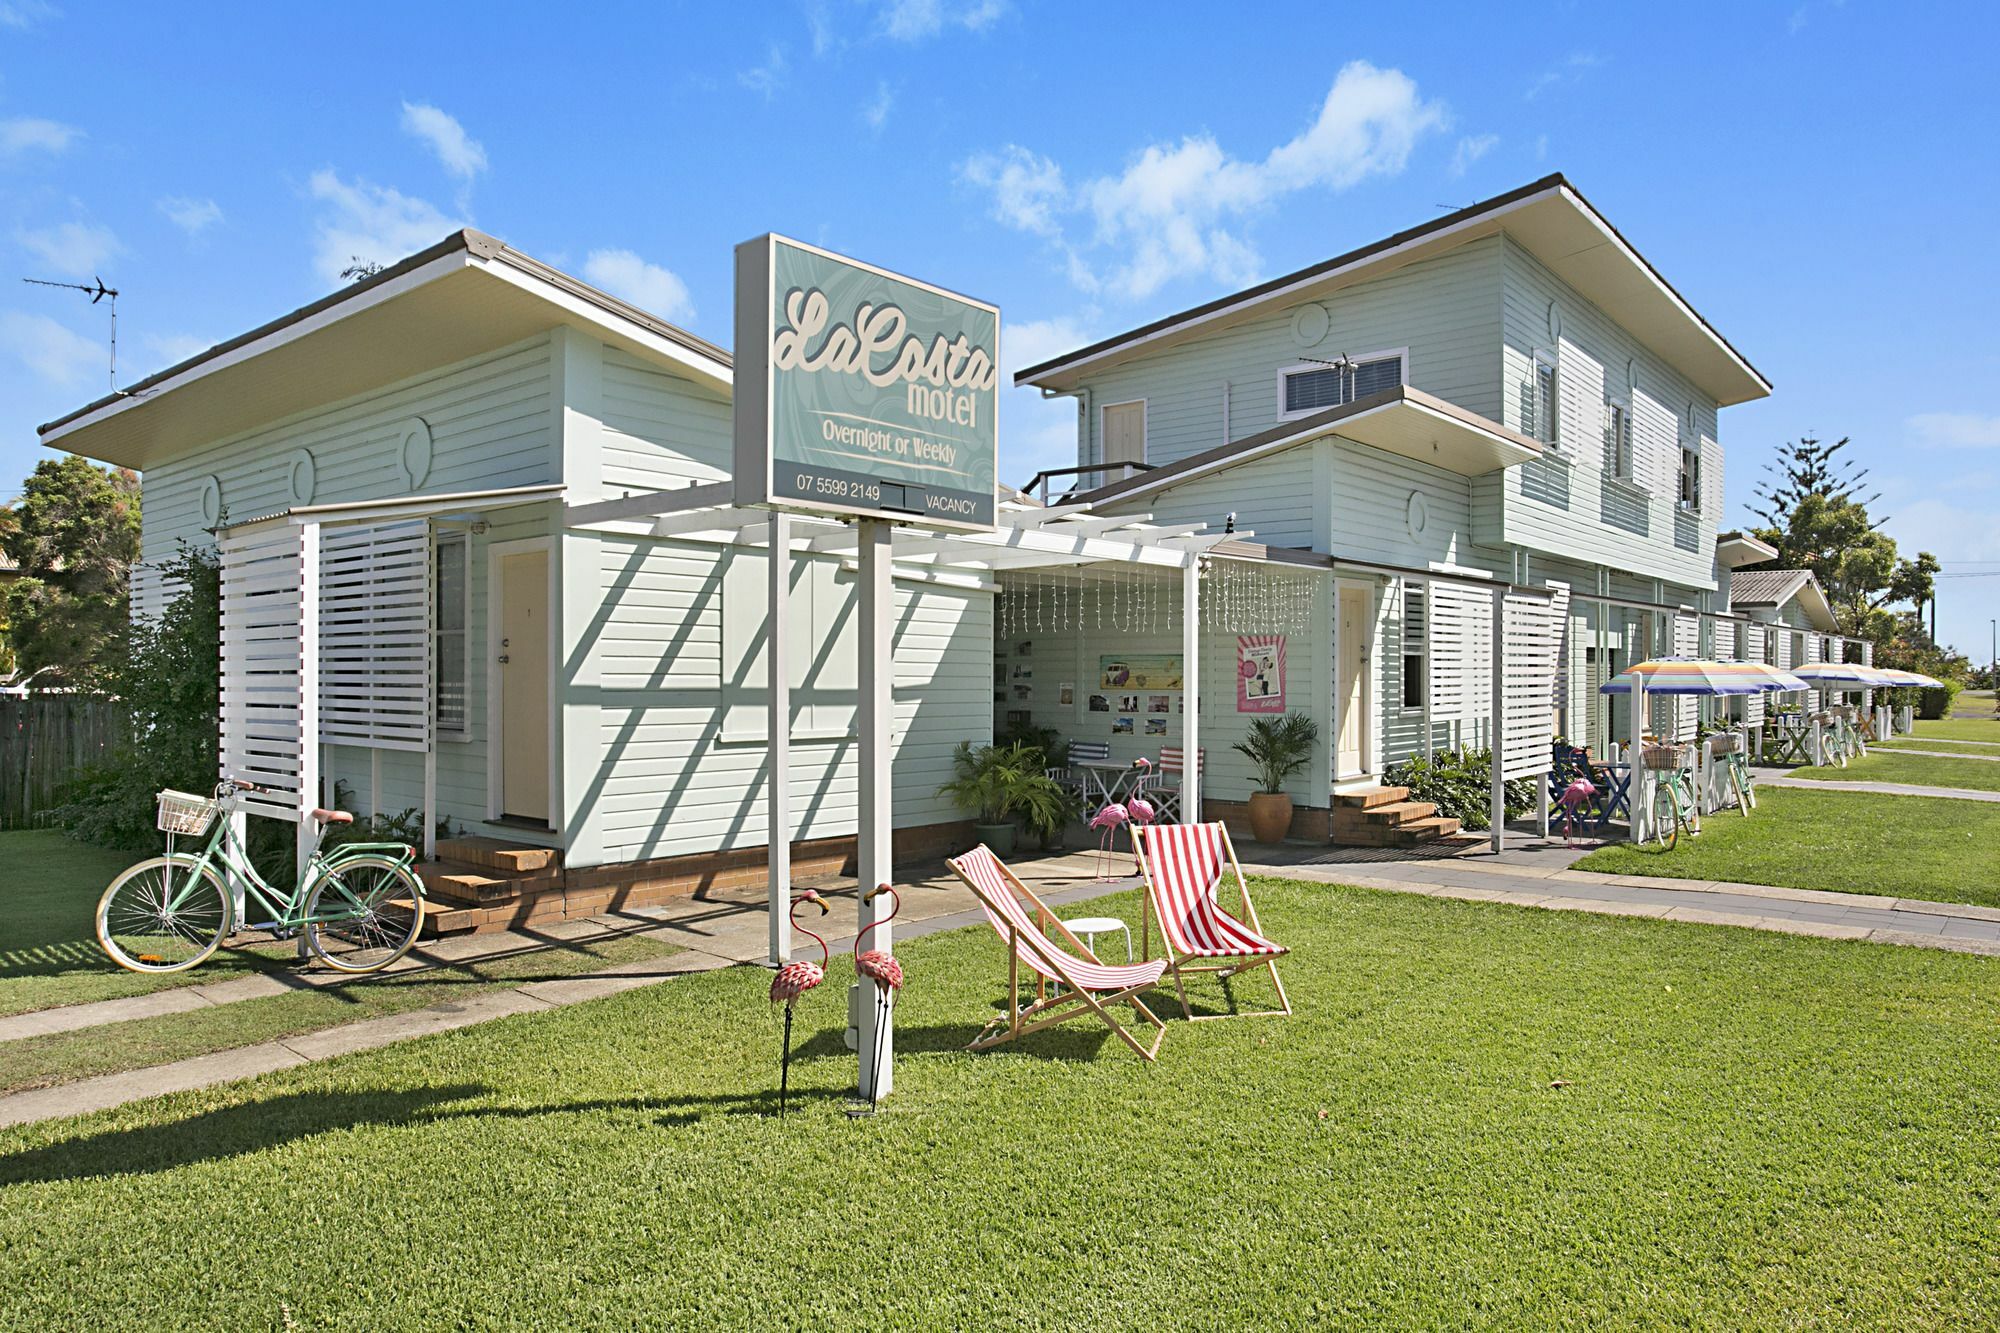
(1369, 797)
(1390, 835)
(498, 854)
(1397, 812)
(476, 886)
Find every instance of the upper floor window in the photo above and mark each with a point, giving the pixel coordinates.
(1690, 492)
(1617, 440)
(1124, 434)
(1318, 386)
(1543, 424)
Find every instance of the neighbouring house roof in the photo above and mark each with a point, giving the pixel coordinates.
(1550, 218)
(1774, 587)
(1401, 420)
(1733, 550)
(466, 295)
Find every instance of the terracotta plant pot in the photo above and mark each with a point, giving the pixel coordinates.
(1270, 816)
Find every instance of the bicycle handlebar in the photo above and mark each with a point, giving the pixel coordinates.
(242, 784)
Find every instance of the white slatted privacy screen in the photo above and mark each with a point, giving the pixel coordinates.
(1687, 708)
(1461, 621)
(1565, 640)
(375, 636)
(263, 645)
(1531, 639)
(1750, 648)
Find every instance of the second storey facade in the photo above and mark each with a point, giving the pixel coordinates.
(1510, 391)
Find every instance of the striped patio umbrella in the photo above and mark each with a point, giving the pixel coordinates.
(1841, 675)
(1692, 675)
(1897, 678)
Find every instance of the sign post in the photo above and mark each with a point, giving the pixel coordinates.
(873, 397)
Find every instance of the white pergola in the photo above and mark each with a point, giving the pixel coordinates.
(1027, 536)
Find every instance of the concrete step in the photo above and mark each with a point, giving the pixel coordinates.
(1413, 834)
(1395, 812)
(498, 854)
(1367, 798)
(476, 886)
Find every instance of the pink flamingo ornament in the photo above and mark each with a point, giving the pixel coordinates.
(879, 966)
(1110, 819)
(1575, 797)
(793, 980)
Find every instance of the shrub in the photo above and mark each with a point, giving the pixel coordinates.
(1278, 747)
(1934, 702)
(1459, 783)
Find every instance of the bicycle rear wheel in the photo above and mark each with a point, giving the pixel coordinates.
(163, 915)
(1666, 815)
(364, 913)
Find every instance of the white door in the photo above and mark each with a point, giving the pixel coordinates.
(1124, 435)
(523, 597)
(1350, 700)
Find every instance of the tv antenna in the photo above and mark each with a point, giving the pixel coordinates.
(96, 291)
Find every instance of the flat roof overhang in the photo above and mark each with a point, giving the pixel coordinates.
(1733, 550)
(462, 298)
(1403, 421)
(1549, 218)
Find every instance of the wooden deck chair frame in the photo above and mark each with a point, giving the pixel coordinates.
(1223, 971)
(1074, 1001)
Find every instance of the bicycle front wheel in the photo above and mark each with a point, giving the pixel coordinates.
(163, 915)
(1666, 816)
(364, 913)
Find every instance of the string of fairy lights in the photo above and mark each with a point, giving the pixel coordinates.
(1237, 597)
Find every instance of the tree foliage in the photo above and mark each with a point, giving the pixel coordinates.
(1817, 518)
(75, 533)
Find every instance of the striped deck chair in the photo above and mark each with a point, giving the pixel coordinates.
(1183, 865)
(1088, 986)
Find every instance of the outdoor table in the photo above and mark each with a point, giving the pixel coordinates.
(1090, 927)
(1792, 736)
(1107, 777)
(1614, 793)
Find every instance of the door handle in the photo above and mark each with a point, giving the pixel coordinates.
(503, 659)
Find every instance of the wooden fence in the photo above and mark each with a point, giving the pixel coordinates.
(45, 741)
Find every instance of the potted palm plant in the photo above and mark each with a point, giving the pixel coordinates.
(995, 783)
(1278, 747)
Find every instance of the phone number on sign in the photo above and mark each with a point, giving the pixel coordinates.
(838, 488)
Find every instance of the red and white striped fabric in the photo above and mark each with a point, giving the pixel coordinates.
(980, 869)
(1184, 865)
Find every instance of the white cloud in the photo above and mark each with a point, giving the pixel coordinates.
(21, 134)
(645, 285)
(917, 20)
(25, 13)
(876, 112)
(371, 223)
(53, 351)
(1568, 71)
(1175, 210)
(192, 216)
(461, 154)
(1960, 430)
(170, 349)
(71, 249)
(1039, 433)
(765, 78)
(1470, 149)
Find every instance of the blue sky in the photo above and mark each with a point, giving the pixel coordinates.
(1817, 178)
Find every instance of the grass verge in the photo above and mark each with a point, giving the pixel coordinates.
(1971, 749)
(1920, 770)
(1960, 729)
(1546, 1118)
(63, 1057)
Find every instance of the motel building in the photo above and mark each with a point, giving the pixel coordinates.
(487, 554)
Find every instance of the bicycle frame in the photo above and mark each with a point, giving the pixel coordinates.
(224, 853)
(1687, 807)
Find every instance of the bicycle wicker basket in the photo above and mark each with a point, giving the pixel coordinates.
(185, 814)
(1666, 756)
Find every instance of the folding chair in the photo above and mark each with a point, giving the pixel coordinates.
(1088, 986)
(1163, 788)
(1183, 866)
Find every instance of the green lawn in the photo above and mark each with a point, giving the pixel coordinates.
(1919, 769)
(1975, 749)
(1836, 841)
(49, 953)
(62, 1057)
(1479, 1114)
(1960, 729)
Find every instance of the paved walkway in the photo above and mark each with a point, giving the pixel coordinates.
(1782, 777)
(1895, 747)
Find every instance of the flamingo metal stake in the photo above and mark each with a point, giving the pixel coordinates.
(880, 967)
(793, 980)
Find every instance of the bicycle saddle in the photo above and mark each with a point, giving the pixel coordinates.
(333, 816)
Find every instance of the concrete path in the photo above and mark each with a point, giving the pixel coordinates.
(1779, 777)
(1535, 873)
(1894, 747)
(713, 931)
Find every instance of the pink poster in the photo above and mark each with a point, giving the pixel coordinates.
(1260, 673)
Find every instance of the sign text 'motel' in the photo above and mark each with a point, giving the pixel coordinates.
(862, 392)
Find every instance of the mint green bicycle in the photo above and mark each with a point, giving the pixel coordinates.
(359, 906)
(1674, 806)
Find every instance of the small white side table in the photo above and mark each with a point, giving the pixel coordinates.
(1090, 927)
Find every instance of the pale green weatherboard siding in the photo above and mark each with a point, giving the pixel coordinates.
(1558, 510)
(660, 430)
(491, 426)
(1446, 311)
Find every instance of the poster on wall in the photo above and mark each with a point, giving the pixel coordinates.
(1260, 673)
(1140, 671)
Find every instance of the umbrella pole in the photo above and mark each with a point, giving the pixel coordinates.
(1641, 794)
